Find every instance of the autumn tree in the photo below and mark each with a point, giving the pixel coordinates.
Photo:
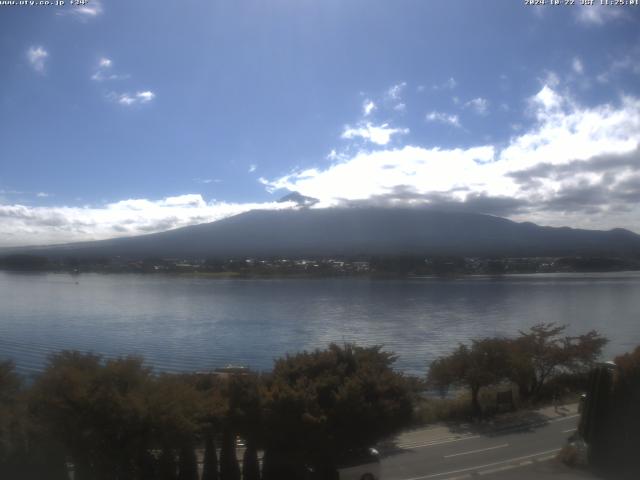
(483, 363)
(543, 352)
(109, 414)
(320, 404)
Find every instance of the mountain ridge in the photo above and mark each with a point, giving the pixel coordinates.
(356, 231)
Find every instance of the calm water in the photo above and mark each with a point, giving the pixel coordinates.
(181, 323)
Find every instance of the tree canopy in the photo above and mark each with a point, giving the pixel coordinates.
(529, 361)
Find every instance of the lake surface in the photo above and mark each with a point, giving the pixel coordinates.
(187, 323)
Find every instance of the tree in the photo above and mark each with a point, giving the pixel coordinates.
(210, 466)
(229, 468)
(188, 465)
(482, 364)
(250, 465)
(320, 404)
(621, 435)
(110, 414)
(540, 353)
(174, 408)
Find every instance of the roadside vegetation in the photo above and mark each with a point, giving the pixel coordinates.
(541, 364)
(117, 419)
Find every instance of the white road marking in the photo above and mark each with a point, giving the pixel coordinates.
(569, 430)
(568, 417)
(478, 467)
(476, 451)
(411, 446)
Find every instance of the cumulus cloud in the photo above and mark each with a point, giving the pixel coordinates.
(252, 168)
(367, 107)
(479, 105)
(37, 57)
(145, 96)
(577, 66)
(380, 135)
(441, 117)
(395, 91)
(24, 225)
(128, 99)
(572, 160)
(104, 71)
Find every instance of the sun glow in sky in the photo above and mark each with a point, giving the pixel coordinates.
(121, 118)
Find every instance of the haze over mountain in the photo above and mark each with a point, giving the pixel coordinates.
(355, 231)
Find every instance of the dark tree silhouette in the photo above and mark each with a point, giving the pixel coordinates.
(250, 465)
(210, 467)
(229, 468)
(188, 465)
(167, 465)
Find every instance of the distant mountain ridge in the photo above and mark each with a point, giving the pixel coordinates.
(357, 231)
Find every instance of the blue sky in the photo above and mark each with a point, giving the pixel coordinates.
(120, 118)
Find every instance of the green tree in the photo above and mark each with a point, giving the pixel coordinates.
(174, 410)
(320, 404)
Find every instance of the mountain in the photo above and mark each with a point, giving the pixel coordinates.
(299, 199)
(354, 231)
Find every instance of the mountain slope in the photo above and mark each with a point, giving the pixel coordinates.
(352, 231)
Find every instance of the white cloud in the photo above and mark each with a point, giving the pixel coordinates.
(550, 80)
(91, 9)
(448, 84)
(395, 91)
(367, 107)
(335, 156)
(598, 14)
(252, 168)
(400, 107)
(104, 71)
(563, 133)
(380, 135)
(42, 195)
(129, 99)
(23, 225)
(441, 117)
(577, 66)
(627, 63)
(479, 105)
(37, 57)
(146, 96)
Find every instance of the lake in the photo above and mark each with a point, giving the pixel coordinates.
(190, 323)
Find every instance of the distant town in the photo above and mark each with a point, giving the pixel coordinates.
(398, 265)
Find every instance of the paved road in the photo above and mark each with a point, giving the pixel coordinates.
(430, 454)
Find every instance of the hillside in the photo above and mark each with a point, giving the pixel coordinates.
(354, 231)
